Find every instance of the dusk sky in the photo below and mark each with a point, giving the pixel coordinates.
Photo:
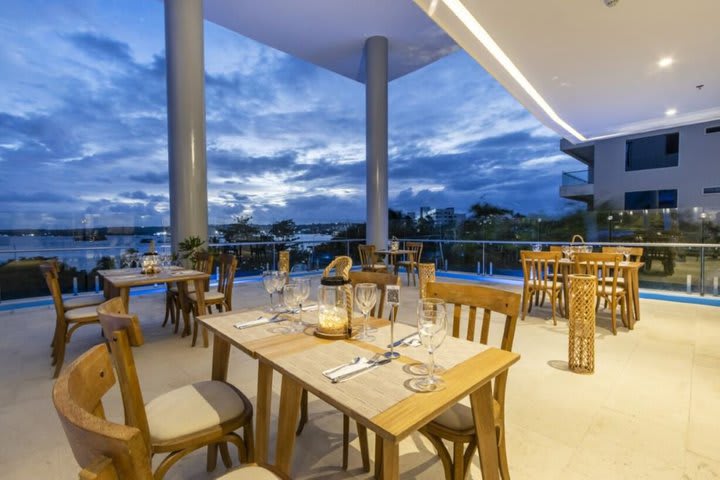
(83, 128)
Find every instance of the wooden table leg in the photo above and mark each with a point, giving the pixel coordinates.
(125, 296)
(221, 358)
(289, 414)
(200, 294)
(378, 456)
(263, 403)
(481, 401)
(184, 307)
(390, 460)
(635, 273)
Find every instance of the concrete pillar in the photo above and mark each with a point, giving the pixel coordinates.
(186, 119)
(376, 139)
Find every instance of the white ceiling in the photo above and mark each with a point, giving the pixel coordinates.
(332, 33)
(596, 67)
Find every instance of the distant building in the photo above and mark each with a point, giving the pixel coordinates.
(670, 168)
(443, 217)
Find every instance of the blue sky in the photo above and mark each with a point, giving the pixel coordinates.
(83, 129)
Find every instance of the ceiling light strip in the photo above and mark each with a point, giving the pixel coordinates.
(464, 15)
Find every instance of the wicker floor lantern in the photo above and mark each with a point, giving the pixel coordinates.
(581, 344)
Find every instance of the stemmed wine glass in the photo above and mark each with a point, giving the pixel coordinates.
(281, 280)
(365, 298)
(625, 251)
(291, 299)
(432, 328)
(269, 279)
(303, 292)
(567, 251)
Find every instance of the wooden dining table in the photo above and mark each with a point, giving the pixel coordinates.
(118, 282)
(630, 272)
(381, 399)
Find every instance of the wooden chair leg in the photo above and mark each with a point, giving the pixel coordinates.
(59, 355)
(612, 316)
(211, 462)
(303, 412)
(525, 302)
(168, 301)
(364, 450)
(458, 461)
(553, 300)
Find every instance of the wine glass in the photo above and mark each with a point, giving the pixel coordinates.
(269, 278)
(365, 298)
(291, 299)
(567, 251)
(280, 281)
(303, 292)
(432, 329)
(625, 251)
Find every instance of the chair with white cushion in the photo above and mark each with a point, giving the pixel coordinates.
(456, 424)
(222, 296)
(106, 450)
(67, 319)
(203, 414)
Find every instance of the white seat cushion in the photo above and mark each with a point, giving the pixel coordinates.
(212, 296)
(174, 288)
(459, 416)
(251, 472)
(83, 301)
(192, 408)
(84, 314)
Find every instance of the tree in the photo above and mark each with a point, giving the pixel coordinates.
(284, 231)
(241, 231)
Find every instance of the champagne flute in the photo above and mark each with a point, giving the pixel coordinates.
(269, 279)
(365, 298)
(291, 299)
(432, 329)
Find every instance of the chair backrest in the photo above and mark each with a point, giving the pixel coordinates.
(284, 261)
(104, 450)
(636, 253)
(50, 273)
(416, 248)
(226, 279)
(602, 265)
(426, 274)
(122, 331)
(367, 255)
(204, 263)
(540, 268)
(382, 280)
(489, 300)
(556, 248)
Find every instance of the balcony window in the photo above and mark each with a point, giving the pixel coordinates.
(659, 151)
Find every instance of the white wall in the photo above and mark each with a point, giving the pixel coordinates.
(698, 167)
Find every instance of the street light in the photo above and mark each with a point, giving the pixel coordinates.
(539, 221)
(703, 216)
(610, 233)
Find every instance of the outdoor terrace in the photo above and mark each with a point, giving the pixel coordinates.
(648, 411)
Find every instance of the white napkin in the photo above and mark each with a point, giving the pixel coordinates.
(252, 323)
(333, 373)
(310, 308)
(182, 272)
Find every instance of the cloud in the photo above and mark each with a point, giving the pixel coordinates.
(100, 46)
(155, 178)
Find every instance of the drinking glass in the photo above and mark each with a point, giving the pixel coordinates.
(625, 251)
(291, 299)
(567, 251)
(536, 247)
(280, 282)
(303, 292)
(432, 328)
(269, 279)
(365, 298)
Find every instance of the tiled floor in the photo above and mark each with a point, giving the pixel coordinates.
(651, 410)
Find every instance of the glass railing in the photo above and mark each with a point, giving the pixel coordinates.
(687, 267)
(577, 177)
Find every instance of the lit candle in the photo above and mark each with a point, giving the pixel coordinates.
(332, 320)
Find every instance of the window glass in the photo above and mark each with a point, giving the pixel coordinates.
(659, 151)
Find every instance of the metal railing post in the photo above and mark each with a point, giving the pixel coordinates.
(273, 257)
(483, 258)
(347, 248)
(702, 271)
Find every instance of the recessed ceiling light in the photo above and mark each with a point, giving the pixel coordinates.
(670, 112)
(665, 62)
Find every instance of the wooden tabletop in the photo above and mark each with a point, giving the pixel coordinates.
(381, 398)
(393, 252)
(133, 277)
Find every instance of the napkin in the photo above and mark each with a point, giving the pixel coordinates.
(333, 373)
(183, 272)
(310, 308)
(259, 321)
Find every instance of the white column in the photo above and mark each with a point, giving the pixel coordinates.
(376, 111)
(186, 119)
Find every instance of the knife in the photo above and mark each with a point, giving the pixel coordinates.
(367, 367)
(397, 343)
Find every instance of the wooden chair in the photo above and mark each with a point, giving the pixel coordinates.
(368, 259)
(456, 424)
(203, 263)
(426, 274)
(412, 261)
(605, 267)
(106, 450)
(180, 421)
(67, 320)
(222, 297)
(540, 276)
(79, 301)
